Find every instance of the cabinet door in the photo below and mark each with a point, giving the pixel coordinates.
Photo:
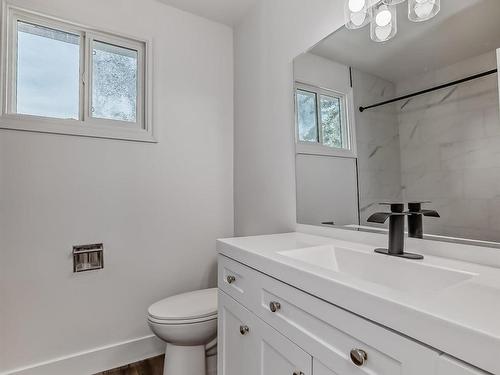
(237, 349)
(250, 346)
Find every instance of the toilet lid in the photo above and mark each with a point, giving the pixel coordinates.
(193, 305)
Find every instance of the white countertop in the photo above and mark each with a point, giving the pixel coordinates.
(462, 320)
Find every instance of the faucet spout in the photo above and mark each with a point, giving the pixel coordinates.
(396, 231)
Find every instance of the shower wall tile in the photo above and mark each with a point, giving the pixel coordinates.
(377, 138)
(450, 150)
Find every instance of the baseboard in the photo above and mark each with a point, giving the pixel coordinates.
(97, 360)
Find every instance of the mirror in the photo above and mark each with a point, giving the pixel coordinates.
(440, 143)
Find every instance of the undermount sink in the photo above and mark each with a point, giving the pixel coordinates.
(404, 275)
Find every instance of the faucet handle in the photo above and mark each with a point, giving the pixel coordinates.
(379, 217)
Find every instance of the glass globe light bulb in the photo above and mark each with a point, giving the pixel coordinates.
(356, 6)
(423, 10)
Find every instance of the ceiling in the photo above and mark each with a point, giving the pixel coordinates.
(463, 29)
(228, 12)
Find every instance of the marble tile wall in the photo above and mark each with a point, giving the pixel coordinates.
(450, 149)
(377, 138)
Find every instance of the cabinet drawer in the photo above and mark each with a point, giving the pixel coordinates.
(451, 366)
(330, 334)
(238, 281)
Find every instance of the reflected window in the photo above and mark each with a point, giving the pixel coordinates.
(321, 118)
(307, 117)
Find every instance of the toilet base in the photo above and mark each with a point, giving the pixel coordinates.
(184, 360)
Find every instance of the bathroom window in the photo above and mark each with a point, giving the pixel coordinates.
(68, 79)
(322, 123)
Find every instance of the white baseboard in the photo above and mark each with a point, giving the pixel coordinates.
(97, 360)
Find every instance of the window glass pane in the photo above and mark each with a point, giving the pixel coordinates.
(114, 82)
(306, 116)
(48, 71)
(331, 121)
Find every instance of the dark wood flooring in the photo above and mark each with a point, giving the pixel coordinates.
(151, 366)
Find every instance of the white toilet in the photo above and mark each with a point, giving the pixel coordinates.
(186, 322)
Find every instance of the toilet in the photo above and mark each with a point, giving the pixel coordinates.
(187, 323)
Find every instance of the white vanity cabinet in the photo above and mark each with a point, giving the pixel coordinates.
(292, 332)
(249, 346)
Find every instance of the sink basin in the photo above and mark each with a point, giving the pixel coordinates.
(411, 277)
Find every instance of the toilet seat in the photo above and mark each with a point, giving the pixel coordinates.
(188, 308)
(181, 322)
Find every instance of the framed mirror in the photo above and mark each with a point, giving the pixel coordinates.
(414, 118)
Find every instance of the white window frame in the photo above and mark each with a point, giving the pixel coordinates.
(85, 125)
(347, 118)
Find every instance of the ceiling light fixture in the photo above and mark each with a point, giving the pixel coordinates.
(382, 15)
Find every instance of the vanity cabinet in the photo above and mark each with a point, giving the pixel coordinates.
(249, 346)
(292, 332)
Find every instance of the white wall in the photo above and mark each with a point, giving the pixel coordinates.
(326, 185)
(326, 190)
(266, 42)
(318, 71)
(158, 208)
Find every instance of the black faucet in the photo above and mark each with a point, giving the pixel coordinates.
(415, 219)
(396, 231)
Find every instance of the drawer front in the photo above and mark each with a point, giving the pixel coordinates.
(450, 366)
(325, 331)
(330, 334)
(238, 281)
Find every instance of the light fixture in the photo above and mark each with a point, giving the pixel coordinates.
(383, 26)
(356, 14)
(382, 15)
(423, 10)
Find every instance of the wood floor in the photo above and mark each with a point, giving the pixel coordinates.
(152, 366)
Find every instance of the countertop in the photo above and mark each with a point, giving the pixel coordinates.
(462, 320)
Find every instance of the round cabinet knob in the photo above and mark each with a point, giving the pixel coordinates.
(274, 306)
(244, 330)
(359, 357)
(230, 279)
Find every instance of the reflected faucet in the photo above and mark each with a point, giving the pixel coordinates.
(415, 218)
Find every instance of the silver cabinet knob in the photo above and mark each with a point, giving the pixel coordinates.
(358, 357)
(244, 330)
(231, 279)
(274, 306)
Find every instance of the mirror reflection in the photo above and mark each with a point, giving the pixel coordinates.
(412, 119)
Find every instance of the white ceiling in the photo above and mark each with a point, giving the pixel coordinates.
(228, 12)
(463, 29)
